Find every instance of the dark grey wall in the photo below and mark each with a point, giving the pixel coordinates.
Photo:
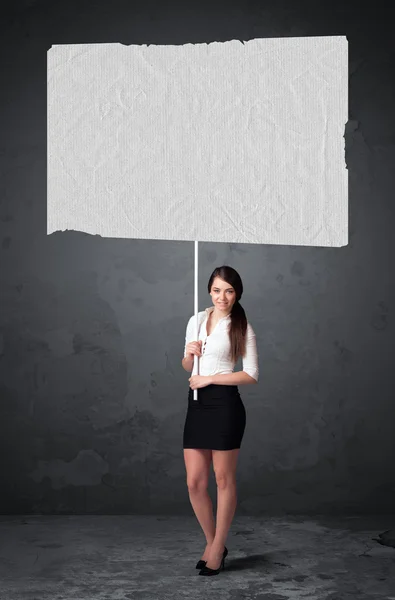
(93, 395)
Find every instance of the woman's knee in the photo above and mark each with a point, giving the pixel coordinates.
(197, 462)
(197, 485)
(225, 480)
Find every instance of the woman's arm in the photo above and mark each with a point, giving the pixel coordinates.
(187, 363)
(250, 359)
(250, 372)
(236, 378)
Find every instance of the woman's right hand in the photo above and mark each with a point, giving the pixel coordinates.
(194, 348)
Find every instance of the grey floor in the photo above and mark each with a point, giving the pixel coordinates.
(124, 557)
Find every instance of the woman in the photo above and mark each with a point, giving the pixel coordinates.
(215, 422)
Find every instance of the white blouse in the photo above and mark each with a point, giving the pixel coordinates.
(215, 358)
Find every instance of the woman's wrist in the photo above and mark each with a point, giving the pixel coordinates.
(187, 361)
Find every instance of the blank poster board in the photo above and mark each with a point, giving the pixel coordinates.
(232, 141)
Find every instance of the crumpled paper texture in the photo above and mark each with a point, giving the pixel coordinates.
(220, 142)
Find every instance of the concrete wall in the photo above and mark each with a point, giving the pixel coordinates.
(92, 393)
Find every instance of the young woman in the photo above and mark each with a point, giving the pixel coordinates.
(215, 422)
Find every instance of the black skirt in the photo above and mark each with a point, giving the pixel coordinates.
(216, 420)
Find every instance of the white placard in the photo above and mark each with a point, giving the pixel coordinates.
(220, 142)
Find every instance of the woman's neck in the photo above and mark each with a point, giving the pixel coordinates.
(217, 315)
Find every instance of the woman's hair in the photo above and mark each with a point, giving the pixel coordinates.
(238, 325)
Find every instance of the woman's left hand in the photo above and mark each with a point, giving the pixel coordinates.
(199, 381)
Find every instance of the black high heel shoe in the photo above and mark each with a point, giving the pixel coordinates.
(207, 571)
(200, 564)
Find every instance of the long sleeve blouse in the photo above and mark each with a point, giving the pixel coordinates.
(216, 347)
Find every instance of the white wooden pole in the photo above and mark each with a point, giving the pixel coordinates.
(195, 370)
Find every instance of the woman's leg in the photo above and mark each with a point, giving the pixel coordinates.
(224, 463)
(197, 463)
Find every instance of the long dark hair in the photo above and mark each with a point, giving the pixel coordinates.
(238, 325)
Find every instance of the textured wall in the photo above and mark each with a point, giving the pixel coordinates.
(93, 395)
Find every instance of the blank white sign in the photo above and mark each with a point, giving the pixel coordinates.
(220, 142)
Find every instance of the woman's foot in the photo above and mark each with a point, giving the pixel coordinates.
(214, 556)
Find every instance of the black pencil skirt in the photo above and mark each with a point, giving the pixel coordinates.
(216, 420)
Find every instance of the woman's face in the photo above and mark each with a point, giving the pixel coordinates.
(223, 295)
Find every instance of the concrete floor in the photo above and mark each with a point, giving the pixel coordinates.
(125, 557)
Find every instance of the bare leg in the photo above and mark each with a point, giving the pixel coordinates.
(225, 472)
(197, 462)
(203, 509)
(226, 508)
